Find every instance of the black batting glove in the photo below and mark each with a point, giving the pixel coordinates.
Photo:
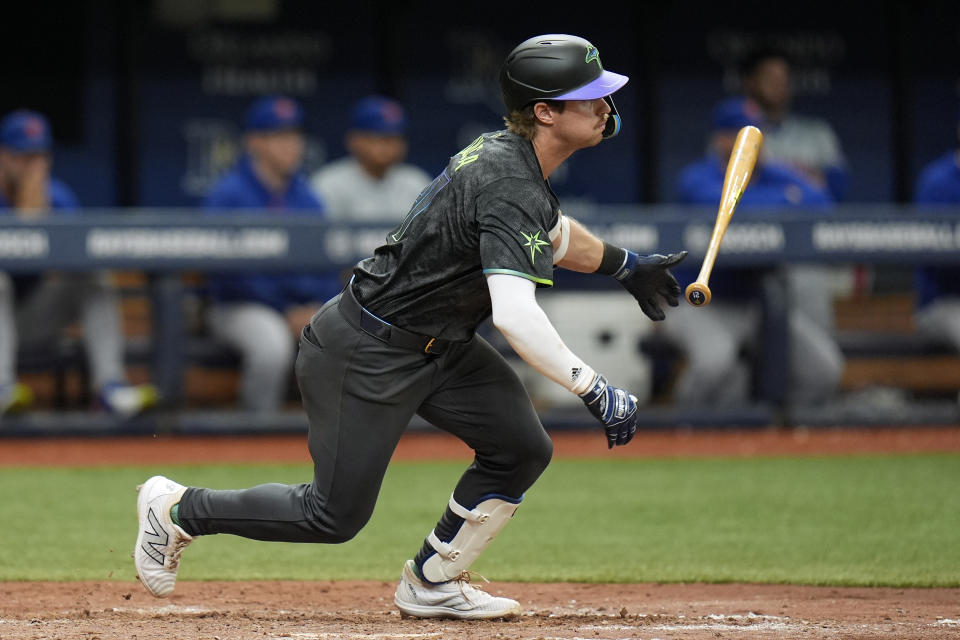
(649, 279)
(614, 408)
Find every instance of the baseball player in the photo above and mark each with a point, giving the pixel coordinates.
(261, 314)
(35, 308)
(711, 339)
(938, 288)
(806, 144)
(400, 340)
(372, 183)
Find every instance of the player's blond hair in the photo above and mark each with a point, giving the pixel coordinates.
(522, 121)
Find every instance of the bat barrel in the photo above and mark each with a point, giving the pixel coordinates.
(698, 294)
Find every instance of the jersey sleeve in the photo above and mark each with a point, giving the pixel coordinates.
(225, 194)
(514, 232)
(62, 197)
(697, 184)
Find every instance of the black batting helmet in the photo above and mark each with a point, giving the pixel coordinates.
(558, 67)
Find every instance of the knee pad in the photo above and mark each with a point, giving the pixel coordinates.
(480, 525)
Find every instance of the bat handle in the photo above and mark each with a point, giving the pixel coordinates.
(698, 293)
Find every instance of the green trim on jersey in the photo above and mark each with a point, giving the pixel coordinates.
(511, 272)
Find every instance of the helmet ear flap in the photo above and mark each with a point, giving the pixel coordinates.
(613, 122)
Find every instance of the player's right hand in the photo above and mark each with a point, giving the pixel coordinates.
(615, 408)
(649, 280)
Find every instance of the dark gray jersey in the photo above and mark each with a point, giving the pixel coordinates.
(488, 212)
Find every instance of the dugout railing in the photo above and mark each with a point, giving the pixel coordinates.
(165, 244)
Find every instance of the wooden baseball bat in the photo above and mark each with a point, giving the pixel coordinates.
(739, 169)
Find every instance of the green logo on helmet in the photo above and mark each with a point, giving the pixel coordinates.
(592, 55)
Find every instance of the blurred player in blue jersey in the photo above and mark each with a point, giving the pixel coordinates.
(261, 314)
(938, 288)
(712, 338)
(34, 309)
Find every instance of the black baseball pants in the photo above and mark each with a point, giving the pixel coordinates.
(359, 394)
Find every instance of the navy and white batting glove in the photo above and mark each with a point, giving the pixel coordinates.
(615, 408)
(648, 278)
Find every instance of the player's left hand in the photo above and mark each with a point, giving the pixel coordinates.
(648, 278)
(615, 408)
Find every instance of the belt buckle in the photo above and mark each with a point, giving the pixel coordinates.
(426, 349)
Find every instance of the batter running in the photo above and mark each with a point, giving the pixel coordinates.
(400, 340)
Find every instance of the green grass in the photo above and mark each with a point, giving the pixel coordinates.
(872, 520)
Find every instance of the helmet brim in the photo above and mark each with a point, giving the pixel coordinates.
(608, 83)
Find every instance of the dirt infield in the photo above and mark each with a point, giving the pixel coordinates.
(364, 610)
(169, 449)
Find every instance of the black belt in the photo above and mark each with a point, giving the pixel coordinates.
(383, 331)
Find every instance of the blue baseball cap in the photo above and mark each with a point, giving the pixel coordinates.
(377, 114)
(736, 113)
(25, 131)
(274, 113)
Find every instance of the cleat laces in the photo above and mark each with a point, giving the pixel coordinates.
(178, 548)
(464, 583)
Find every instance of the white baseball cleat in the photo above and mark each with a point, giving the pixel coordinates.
(454, 599)
(159, 541)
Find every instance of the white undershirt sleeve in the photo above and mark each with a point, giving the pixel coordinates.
(526, 327)
(560, 234)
